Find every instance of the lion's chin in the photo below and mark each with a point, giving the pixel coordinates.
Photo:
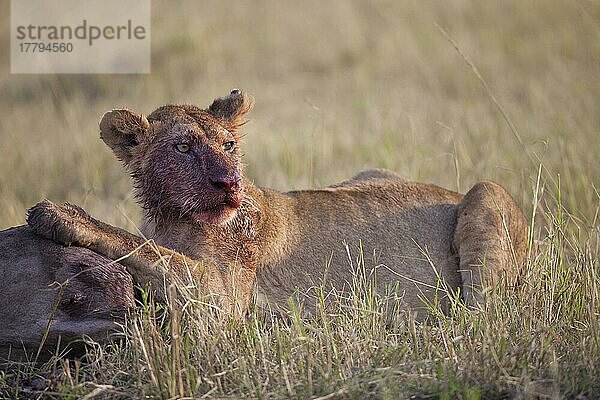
(219, 215)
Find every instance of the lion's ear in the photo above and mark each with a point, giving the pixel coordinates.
(123, 130)
(231, 109)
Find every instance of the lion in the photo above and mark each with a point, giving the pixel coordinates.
(52, 295)
(204, 220)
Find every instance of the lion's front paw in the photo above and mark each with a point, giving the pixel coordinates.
(65, 224)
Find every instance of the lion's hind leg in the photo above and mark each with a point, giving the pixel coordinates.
(491, 239)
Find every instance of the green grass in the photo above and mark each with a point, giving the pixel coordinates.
(342, 86)
(538, 339)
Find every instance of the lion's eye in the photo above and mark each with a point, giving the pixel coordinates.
(229, 146)
(182, 147)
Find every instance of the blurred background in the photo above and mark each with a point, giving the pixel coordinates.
(339, 86)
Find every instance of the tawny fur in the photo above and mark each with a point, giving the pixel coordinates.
(242, 242)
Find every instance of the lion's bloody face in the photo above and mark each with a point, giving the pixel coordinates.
(192, 170)
(185, 161)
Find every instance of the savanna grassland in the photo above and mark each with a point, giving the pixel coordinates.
(443, 92)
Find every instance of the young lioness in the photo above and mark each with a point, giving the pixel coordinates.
(214, 226)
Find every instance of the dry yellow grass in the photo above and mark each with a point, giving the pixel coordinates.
(342, 86)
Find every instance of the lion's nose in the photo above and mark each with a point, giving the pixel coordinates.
(226, 184)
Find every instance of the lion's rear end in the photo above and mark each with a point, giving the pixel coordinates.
(491, 239)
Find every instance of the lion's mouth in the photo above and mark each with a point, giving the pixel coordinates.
(220, 213)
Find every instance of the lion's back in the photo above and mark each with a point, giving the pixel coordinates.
(402, 229)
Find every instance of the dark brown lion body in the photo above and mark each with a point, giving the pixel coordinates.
(55, 294)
